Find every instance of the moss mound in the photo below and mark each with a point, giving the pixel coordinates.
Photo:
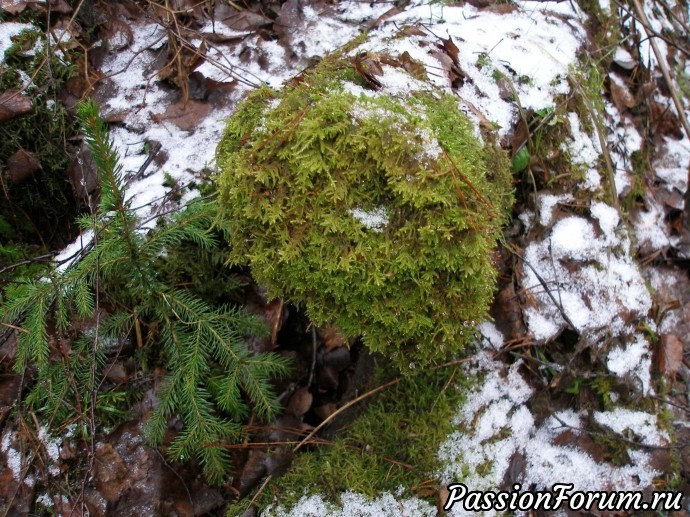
(377, 212)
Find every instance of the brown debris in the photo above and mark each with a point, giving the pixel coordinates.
(507, 314)
(670, 356)
(187, 115)
(331, 338)
(300, 402)
(13, 103)
(18, 6)
(83, 175)
(368, 67)
(621, 96)
(21, 166)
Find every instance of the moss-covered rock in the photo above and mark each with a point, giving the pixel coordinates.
(377, 212)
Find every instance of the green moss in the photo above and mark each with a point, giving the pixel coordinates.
(42, 208)
(393, 444)
(302, 166)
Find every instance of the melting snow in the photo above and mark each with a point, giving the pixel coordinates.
(673, 164)
(635, 359)
(496, 425)
(374, 220)
(547, 204)
(643, 425)
(386, 505)
(9, 30)
(587, 267)
(602, 282)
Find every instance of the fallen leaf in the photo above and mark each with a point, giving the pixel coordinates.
(331, 338)
(502, 8)
(119, 36)
(670, 356)
(367, 66)
(413, 67)
(300, 402)
(664, 120)
(620, 95)
(451, 49)
(13, 104)
(83, 175)
(17, 6)
(325, 411)
(520, 135)
(393, 11)
(21, 166)
(188, 116)
(507, 314)
(13, 6)
(111, 473)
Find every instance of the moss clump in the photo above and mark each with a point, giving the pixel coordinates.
(378, 213)
(393, 444)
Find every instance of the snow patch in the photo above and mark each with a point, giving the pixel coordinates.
(547, 204)
(592, 277)
(9, 30)
(355, 505)
(374, 220)
(496, 425)
(644, 425)
(635, 359)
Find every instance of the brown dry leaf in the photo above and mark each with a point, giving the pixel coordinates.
(13, 6)
(413, 67)
(451, 49)
(111, 477)
(507, 314)
(9, 391)
(621, 96)
(275, 315)
(17, 6)
(367, 65)
(443, 495)
(393, 11)
(83, 175)
(21, 166)
(291, 17)
(325, 411)
(665, 120)
(241, 21)
(56, 6)
(13, 104)
(455, 75)
(66, 34)
(331, 338)
(502, 8)
(183, 61)
(520, 135)
(188, 116)
(484, 122)
(300, 402)
(119, 35)
(670, 356)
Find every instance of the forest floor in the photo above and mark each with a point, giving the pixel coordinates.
(582, 373)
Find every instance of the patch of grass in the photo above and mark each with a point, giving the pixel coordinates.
(392, 444)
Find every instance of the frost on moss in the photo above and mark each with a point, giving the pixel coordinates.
(377, 212)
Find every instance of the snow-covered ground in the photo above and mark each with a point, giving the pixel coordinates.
(580, 270)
